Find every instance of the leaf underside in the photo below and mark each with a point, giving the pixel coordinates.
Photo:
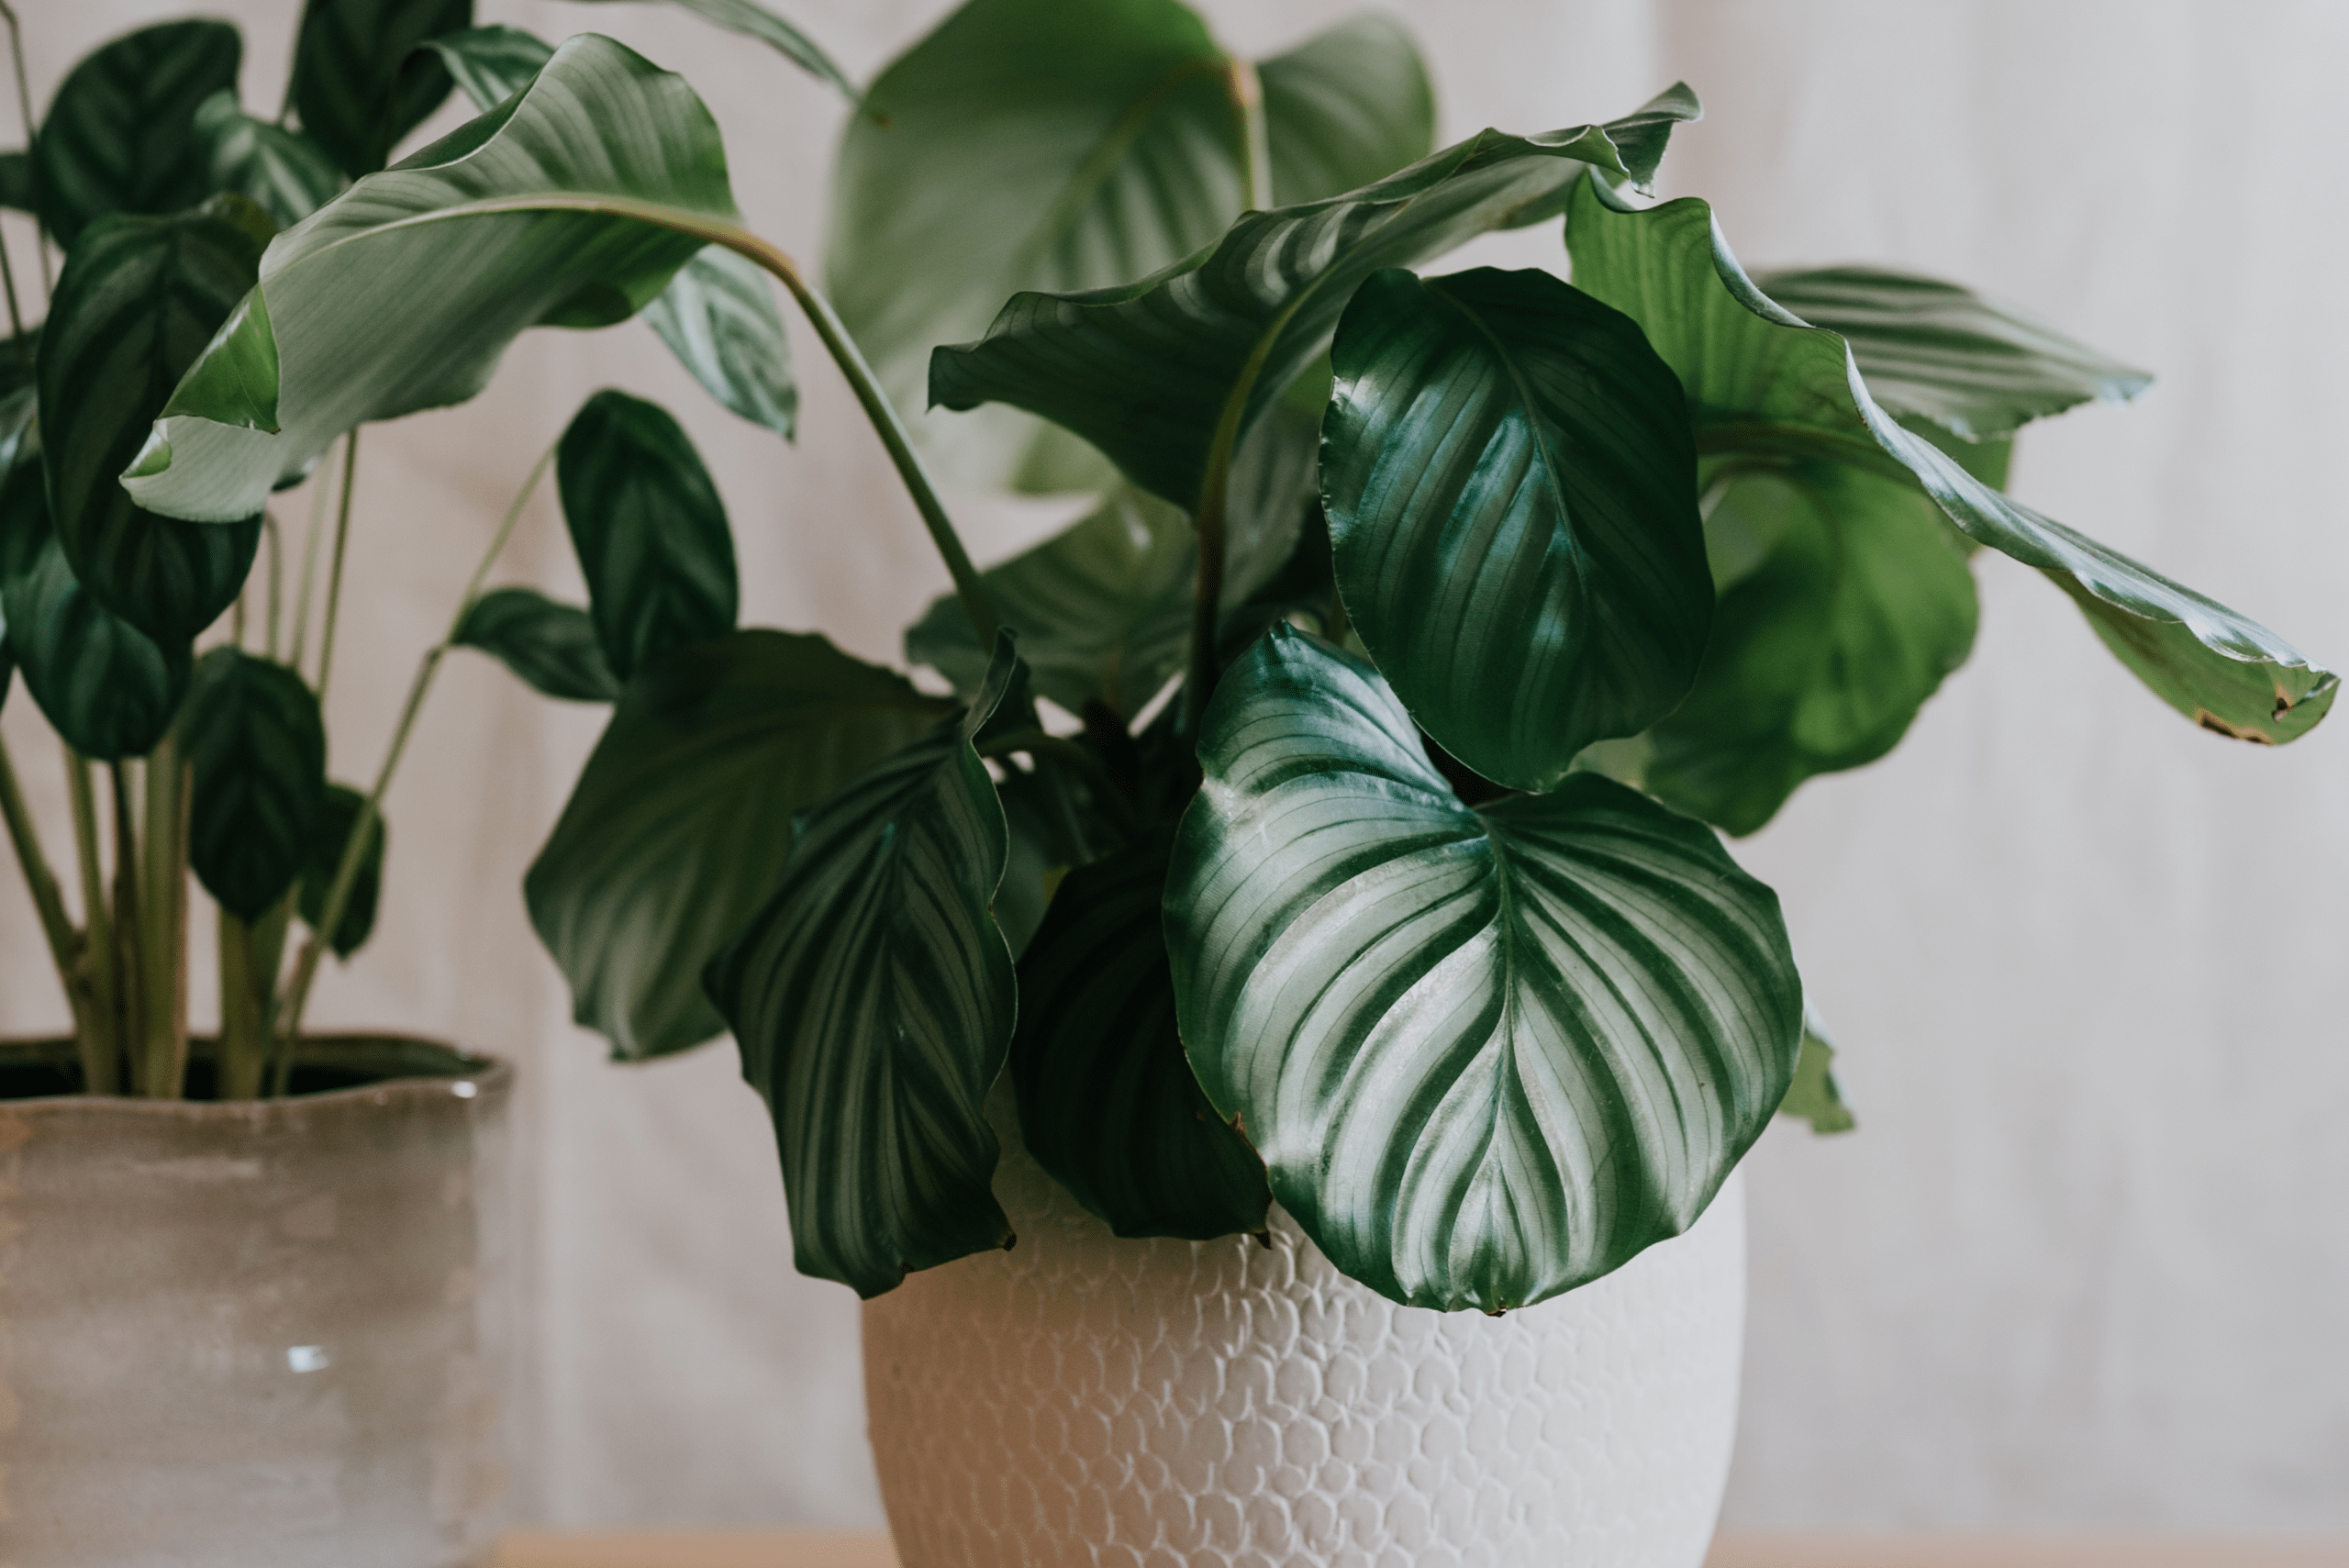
(551, 647)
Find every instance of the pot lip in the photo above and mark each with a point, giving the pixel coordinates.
(470, 1076)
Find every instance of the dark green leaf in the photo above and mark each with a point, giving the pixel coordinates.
(120, 134)
(1488, 1055)
(139, 300)
(681, 820)
(551, 646)
(289, 175)
(1345, 109)
(650, 531)
(873, 1000)
(1513, 498)
(337, 815)
(1815, 1098)
(1108, 1103)
(491, 64)
(257, 745)
(1145, 372)
(754, 20)
(19, 188)
(717, 315)
(562, 206)
(360, 83)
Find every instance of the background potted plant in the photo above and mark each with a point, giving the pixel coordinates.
(1583, 427)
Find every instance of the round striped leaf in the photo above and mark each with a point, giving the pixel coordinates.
(359, 82)
(337, 815)
(718, 316)
(491, 64)
(553, 647)
(120, 134)
(872, 997)
(283, 172)
(1512, 498)
(1488, 1055)
(257, 745)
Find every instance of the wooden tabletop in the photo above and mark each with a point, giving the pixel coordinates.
(802, 1548)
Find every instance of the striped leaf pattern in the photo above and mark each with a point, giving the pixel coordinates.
(1345, 109)
(359, 82)
(1145, 371)
(120, 134)
(139, 300)
(1763, 384)
(337, 815)
(1487, 1055)
(754, 20)
(719, 318)
(553, 647)
(1108, 1103)
(1511, 489)
(257, 746)
(873, 1000)
(491, 64)
(285, 172)
(681, 820)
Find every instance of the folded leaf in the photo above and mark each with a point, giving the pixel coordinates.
(719, 318)
(257, 746)
(1512, 500)
(754, 20)
(551, 647)
(1488, 1055)
(286, 173)
(873, 1000)
(491, 64)
(564, 205)
(337, 815)
(681, 820)
(360, 83)
(120, 134)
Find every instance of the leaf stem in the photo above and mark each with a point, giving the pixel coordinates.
(334, 568)
(102, 1051)
(163, 908)
(129, 996)
(305, 589)
(48, 898)
(276, 582)
(1255, 153)
(25, 109)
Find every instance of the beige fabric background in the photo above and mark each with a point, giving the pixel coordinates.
(2084, 1265)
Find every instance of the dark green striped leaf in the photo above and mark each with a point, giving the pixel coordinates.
(337, 815)
(257, 746)
(754, 20)
(1513, 498)
(1149, 371)
(120, 134)
(139, 300)
(491, 64)
(1488, 1055)
(286, 173)
(359, 82)
(873, 1000)
(551, 646)
(1108, 1103)
(650, 531)
(1765, 385)
(719, 318)
(562, 206)
(681, 820)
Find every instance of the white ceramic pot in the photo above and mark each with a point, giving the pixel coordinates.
(1083, 1401)
(263, 1334)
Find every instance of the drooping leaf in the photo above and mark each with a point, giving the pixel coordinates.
(1815, 1096)
(138, 301)
(491, 64)
(563, 206)
(681, 820)
(719, 318)
(1488, 1055)
(754, 20)
(1051, 147)
(120, 134)
(1512, 498)
(337, 817)
(873, 999)
(1108, 1103)
(359, 82)
(553, 647)
(1144, 371)
(1764, 384)
(257, 746)
(650, 531)
(286, 173)
(1978, 368)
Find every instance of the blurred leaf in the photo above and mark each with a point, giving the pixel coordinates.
(491, 64)
(19, 187)
(1345, 109)
(1814, 1097)
(719, 318)
(257, 744)
(551, 647)
(337, 815)
(754, 20)
(120, 133)
(286, 172)
(360, 83)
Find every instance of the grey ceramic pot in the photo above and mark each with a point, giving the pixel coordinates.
(266, 1334)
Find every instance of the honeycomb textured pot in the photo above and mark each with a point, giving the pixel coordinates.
(1082, 1400)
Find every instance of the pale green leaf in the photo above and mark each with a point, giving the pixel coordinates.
(754, 20)
(491, 64)
(719, 318)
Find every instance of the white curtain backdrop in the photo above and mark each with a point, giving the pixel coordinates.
(2083, 1265)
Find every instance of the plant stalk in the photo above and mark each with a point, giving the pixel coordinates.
(244, 1036)
(64, 942)
(1255, 152)
(276, 583)
(102, 1055)
(25, 110)
(307, 586)
(163, 911)
(334, 568)
(128, 968)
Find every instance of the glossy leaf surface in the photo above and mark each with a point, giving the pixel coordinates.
(257, 745)
(681, 820)
(1511, 489)
(285, 172)
(718, 316)
(138, 301)
(873, 999)
(754, 20)
(560, 206)
(1761, 382)
(1488, 1055)
(553, 647)
(491, 64)
(337, 815)
(359, 82)
(1144, 371)
(1108, 1103)
(120, 134)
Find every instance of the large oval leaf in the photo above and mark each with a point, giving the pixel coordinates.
(138, 301)
(681, 820)
(551, 646)
(120, 134)
(286, 173)
(1512, 498)
(1487, 1055)
(650, 531)
(1763, 384)
(562, 205)
(873, 1000)
(257, 744)
(360, 83)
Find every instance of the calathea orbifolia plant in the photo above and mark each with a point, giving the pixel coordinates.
(1324, 815)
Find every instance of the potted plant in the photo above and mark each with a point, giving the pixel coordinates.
(1308, 910)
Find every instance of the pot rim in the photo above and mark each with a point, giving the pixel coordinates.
(480, 1077)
